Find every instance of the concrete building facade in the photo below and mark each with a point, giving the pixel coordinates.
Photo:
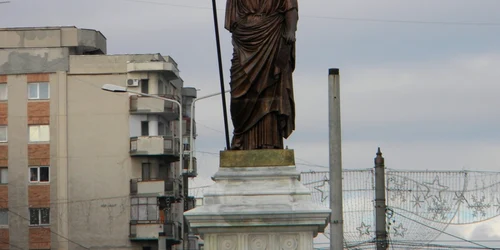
(81, 168)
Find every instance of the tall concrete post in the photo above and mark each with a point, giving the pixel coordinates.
(336, 219)
(185, 190)
(380, 206)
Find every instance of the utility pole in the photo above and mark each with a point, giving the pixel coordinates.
(380, 205)
(185, 194)
(336, 218)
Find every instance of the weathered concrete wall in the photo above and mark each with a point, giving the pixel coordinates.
(18, 160)
(30, 38)
(98, 64)
(53, 37)
(43, 60)
(91, 39)
(100, 167)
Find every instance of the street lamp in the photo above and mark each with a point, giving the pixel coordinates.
(191, 126)
(120, 89)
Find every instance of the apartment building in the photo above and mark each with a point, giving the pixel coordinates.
(82, 168)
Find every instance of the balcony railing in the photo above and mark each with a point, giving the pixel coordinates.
(172, 230)
(170, 106)
(162, 188)
(190, 172)
(148, 105)
(145, 231)
(190, 203)
(154, 145)
(173, 188)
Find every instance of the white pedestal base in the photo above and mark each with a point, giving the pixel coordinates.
(259, 241)
(258, 208)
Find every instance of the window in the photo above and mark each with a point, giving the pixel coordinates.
(39, 174)
(3, 92)
(162, 172)
(39, 133)
(185, 142)
(144, 128)
(150, 171)
(186, 127)
(39, 216)
(144, 208)
(161, 128)
(39, 90)
(3, 133)
(145, 86)
(161, 88)
(4, 217)
(4, 176)
(145, 171)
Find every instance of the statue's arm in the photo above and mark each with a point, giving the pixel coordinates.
(231, 15)
(291, 19)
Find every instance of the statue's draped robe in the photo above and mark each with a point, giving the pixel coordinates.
(262, 104)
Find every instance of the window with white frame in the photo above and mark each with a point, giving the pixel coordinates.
(39, 133)
(3, 133)
(39, 90)
(4, 175)
(39, 174)
(4, 217)
(145, 208)
(39, 216)
(3, 92)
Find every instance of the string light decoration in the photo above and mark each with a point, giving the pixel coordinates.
(420, 204)
(437, 199)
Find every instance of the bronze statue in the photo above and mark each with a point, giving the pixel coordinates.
(262, 103)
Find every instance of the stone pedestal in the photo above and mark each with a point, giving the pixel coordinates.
(258, 203)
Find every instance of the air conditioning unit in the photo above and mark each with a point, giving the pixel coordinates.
(133, 82)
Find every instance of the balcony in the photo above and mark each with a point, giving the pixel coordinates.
(172, 230)
(167, 68)
(145, 231)
(190, 203)
(190, 172)
(171, 188)
(149, 105)
(154, 145)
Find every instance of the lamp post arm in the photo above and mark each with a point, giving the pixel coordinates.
(191, 149)
(155, 96)
(181, 147)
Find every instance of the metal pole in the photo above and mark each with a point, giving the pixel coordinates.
(191, 136)
(380, 207)
(336, 219)
(221, 73)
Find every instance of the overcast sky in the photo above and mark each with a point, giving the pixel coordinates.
(426, 92)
